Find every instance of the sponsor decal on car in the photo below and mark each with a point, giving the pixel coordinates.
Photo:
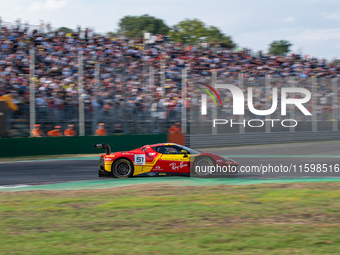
(158, 168)
(176, 167)
(151, 174)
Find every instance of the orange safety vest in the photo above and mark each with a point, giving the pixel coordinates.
(175, 130)
(101, 132)
(70, 132)
(54, 132)
(36, 132)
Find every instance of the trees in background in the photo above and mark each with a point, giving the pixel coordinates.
(135, 26)
(193, 31)
(279, 48)
(187, 31)
(65, 30)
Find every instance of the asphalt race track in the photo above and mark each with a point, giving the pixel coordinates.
(51, 171)
(283, 156)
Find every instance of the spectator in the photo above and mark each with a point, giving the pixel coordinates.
(101, 131)
(37, 132)
(55, 132)
(175, 129)
(70, 131)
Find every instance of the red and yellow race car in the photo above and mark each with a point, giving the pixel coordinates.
(160, 160)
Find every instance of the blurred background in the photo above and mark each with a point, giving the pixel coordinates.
(143, 79)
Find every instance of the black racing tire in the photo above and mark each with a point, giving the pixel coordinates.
(122, 168)
(204, 162)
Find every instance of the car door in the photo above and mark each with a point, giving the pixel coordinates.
(171, 160)
(151, 158)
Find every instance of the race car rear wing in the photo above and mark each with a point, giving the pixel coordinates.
(104, 146)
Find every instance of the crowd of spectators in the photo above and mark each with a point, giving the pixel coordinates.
(130, 84)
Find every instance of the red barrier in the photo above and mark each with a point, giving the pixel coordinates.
(176, 138)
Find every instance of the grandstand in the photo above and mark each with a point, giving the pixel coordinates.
(136, 86)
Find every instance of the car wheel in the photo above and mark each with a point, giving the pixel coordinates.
(201, 166)
(122, 168)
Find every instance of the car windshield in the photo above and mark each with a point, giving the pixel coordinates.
(191, 151)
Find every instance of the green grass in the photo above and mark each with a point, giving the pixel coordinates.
(260, 219)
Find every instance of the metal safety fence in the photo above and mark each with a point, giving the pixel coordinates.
(94, 97)
(152, 111)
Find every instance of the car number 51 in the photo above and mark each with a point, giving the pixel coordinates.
(139, 159)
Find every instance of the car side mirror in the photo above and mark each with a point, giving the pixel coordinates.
(185, 153)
